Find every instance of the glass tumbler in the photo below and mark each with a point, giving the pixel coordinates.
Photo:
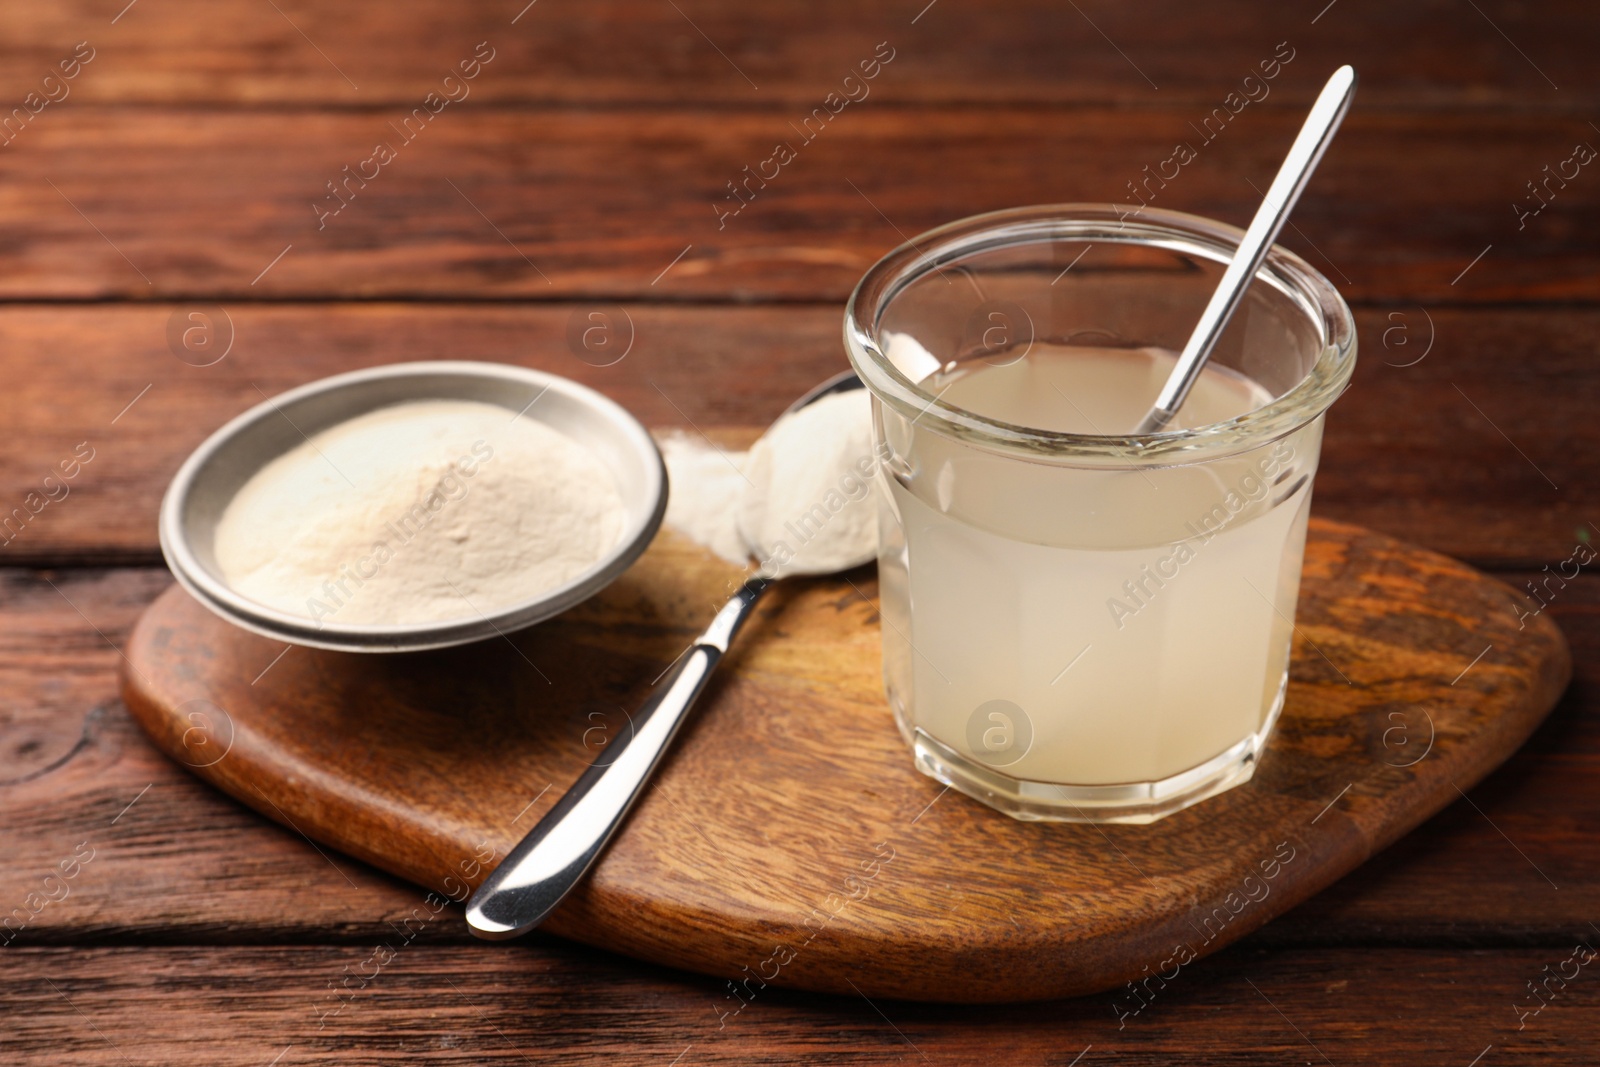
(1090, 627)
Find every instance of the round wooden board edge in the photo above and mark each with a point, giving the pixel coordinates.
(1357, 843)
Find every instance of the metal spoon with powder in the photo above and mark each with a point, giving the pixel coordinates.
(821, 447)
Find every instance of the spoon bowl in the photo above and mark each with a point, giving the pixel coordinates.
(756, 501)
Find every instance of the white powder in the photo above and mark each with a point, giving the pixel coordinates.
(419, 512)
(799, 500)
(808, 508)
(703, 499)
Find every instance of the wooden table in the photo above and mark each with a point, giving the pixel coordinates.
(170, 255)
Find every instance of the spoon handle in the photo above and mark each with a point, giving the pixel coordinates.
(1303, 157)
(556, 854)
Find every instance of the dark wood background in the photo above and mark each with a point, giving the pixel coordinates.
(177, 174)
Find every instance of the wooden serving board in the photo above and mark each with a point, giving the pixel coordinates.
(788, 840)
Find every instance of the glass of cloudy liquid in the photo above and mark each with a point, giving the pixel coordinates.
(1081, 623)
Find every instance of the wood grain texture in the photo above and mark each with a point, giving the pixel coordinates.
(527, 204)
(171, 858)
(189, 865)
(240, 1007)
(631, 51)
(1452, 452)
(139, 141)
(787, 837)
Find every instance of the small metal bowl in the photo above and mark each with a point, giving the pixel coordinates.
(220, 467)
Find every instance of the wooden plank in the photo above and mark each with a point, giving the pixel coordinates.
(187, 864)
(76, 372)
(629, 51)
(389, 1000)
(494, 204)
(1451, 452)
(166, 856)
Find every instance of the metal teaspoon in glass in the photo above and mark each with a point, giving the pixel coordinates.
(1303, 157)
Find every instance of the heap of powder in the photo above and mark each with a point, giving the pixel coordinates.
(796, 501)
(703, 503)
(420, 512)
(808, 507)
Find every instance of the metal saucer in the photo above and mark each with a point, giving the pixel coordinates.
(215, 472)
